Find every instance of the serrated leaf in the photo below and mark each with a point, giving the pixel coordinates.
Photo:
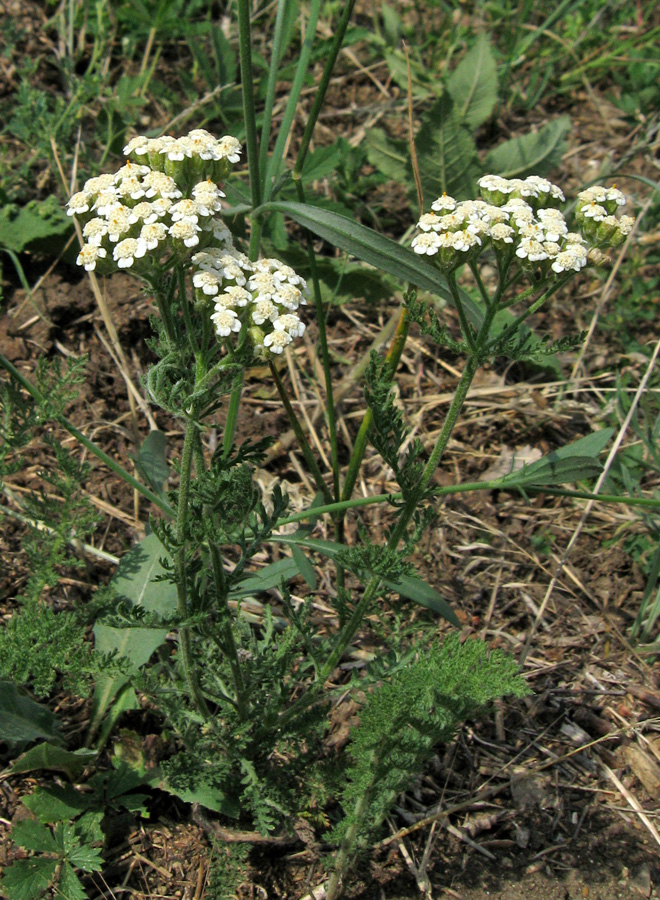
(321, 162)
(390, 157)
(134, 582)
(379, 251)
(473, 85)
(22, 720)
(304, 566)
(27, 879)
(32, 835)
(87, 858)
(447, 154)
(151, 461)
(69, 886)
(50, 756)
(571, 463)
(535, 153)
(209, 796)
(57, 803)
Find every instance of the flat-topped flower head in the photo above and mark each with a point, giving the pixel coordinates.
(189, 159)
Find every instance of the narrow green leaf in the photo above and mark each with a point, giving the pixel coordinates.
(22, 720)
(27, 879)
(407, 586)
(208, 795)
(304, 566)
(571, 463)
(534, 153)
(271, 576)
(376, 249)
(50, 756)
(473, 84)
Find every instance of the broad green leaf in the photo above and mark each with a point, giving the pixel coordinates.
(57, 803)
(27, 879)
(473, 85)
(407, 586)
(32, 835)
(87, 858)
(571, 463)
(390, 157)
(134, 582)
(321, 162)
(534, 153)
(50, 756)
(379, 251)
(447, 154)
(22, 720)
(208, 795)
(69, 885)
(151, 461)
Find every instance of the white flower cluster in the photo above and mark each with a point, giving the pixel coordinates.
(519, 217)
(138, 211)
(264, 295)
(165, 200)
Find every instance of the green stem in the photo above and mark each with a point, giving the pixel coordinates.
(229, 644)
(300, 435)
(232, 413)
(36, 394)
(337, 42)
(360, 446)
(247, 90)
(185, 641)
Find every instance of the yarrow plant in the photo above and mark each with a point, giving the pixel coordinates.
(248, 706)
(165, 203)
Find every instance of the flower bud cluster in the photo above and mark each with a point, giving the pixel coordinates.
(165, 202)
(520, 219)
(263, 296)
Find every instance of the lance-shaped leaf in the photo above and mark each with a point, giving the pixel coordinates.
(569, 464)
(473, 84)
(379, 251)
(406, 586)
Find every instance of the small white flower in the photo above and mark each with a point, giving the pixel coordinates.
(444, 204)
(626, 224)
(464, 240)
(131, 188)
(426, 244)
(569, 260)
(158, 184)
(120, 218)
(153, 233)
(502, 233)
(106, 201)
(127, 251)
(207, 282)
(144, 212)
(94, 232)
(429, 222)
(289, 296)
(186, 231)
(277, 341)
(594, 211)
(291, 324)
(88, 256)
(531, 249)
(552, 248)
(263, 284)
(185, 209)
(225, 321)
(229, 148)
(139, 145)
(99, 183)
(207, 195)
(263, 311)
(235, 296)
(161, 206)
